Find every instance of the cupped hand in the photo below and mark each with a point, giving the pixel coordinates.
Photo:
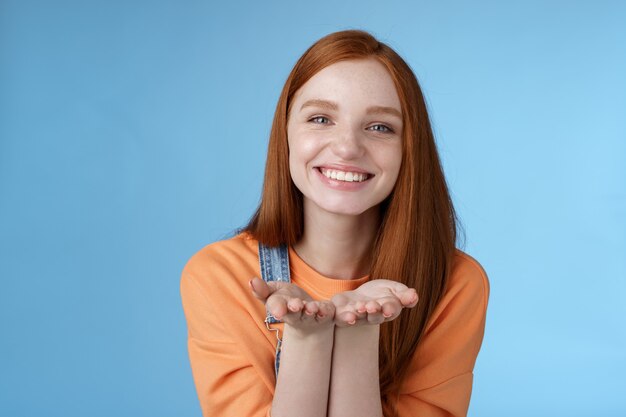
(374, 302)
(292, 305)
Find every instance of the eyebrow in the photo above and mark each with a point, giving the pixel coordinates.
(331, 105)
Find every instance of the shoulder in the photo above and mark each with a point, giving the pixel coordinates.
(467, 273)
(237, 248)
(446, 354)
(214, 290)
(225, 263)
(467, 290)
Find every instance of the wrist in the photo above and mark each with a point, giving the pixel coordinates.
(363, 333)
(321, 333)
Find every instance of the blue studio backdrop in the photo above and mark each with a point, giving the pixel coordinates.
(134, 133)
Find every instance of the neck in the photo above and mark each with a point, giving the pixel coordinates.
(338, 246)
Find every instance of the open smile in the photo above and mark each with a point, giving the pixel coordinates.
(346, 175)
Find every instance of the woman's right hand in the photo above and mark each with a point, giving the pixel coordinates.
(292, 305)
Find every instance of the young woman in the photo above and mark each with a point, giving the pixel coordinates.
(312, 310)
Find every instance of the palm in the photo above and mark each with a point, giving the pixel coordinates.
(292, 305)
(374, 302)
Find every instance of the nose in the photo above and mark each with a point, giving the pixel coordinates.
(347, 144)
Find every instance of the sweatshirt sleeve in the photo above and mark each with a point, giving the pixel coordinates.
(226, 380)
(439, 379)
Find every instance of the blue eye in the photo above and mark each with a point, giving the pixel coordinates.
(385, 129)
(317, 118)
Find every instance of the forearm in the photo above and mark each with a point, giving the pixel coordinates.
(354, 380)
(304, 374)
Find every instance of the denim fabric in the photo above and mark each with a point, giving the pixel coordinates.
(274, 262)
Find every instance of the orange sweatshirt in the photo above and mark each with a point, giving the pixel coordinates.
(232, 352)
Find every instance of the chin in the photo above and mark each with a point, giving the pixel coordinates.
(344, 209)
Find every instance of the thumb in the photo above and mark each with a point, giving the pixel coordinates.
(259, 288)
(407, 296)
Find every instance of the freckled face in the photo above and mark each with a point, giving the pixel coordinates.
(345, 137)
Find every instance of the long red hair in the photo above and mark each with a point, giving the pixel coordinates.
(416, 240)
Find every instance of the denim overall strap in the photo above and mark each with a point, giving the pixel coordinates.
(274, 262)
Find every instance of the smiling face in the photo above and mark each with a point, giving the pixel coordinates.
(345, 137)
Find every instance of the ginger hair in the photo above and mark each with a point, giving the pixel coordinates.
(416, 239)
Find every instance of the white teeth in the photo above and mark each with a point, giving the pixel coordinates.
(343, 175)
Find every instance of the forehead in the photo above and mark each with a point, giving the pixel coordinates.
(364, 81)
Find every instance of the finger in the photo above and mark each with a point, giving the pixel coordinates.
(339, 299)
(372, 307)
(306, 315)
(346, 318)
(295, 305)
(259, 288)
(311, 308)
(326, 311)
(408, 298)
(360, 307)
(277, 307)
(390, 310)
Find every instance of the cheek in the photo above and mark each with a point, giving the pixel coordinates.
(398, 161)
(298, 158)
(303, 149)
(392, 160)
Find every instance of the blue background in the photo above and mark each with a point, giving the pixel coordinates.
(134, 133)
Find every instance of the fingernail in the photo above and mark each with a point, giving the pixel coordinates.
(352, 322)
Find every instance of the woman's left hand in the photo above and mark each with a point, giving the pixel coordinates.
(374, 302)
